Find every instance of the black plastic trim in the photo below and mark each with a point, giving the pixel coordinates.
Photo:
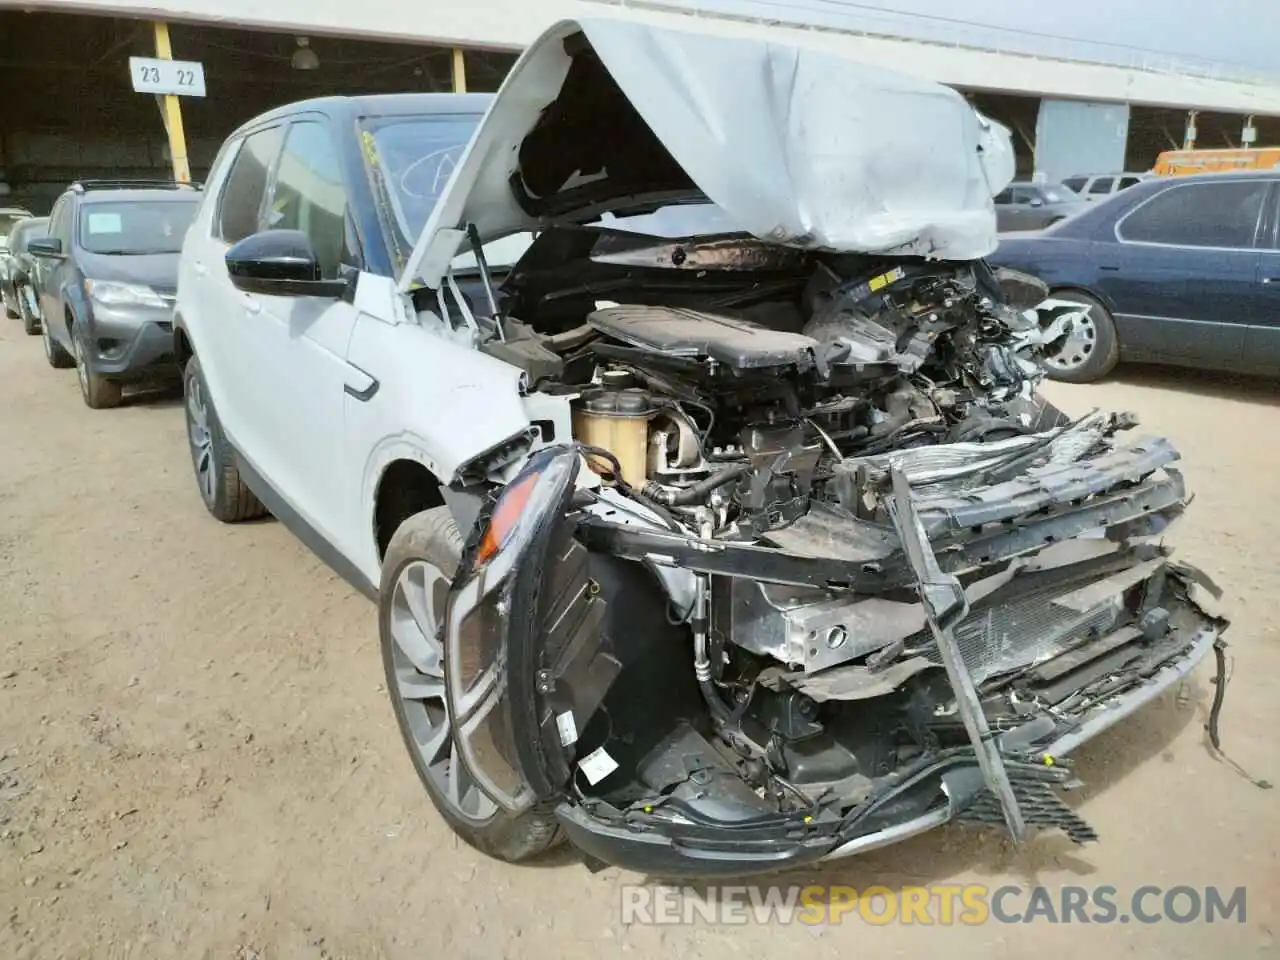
(309, 535)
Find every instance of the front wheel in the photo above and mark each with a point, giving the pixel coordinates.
(416, 575)
(223, 491)
(30, 318)
(99, 393)
(1092, 348)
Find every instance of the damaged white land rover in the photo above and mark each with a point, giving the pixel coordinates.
(722, 531)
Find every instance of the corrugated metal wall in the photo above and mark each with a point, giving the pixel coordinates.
(1073, 137)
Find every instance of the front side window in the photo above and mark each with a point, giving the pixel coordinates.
(1127, 182)
(246, 185)
(1199, 215)
(1004, 197)
(136, 227)
(59, 222)
(310, 194)
(1102, 185)
(1024, 195)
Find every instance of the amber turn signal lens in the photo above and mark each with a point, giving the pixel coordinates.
(505, 516)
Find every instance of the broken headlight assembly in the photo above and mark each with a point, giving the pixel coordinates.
(480, 618)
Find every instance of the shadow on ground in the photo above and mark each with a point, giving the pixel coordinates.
(1210, 384)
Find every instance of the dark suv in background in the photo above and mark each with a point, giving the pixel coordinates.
(105, 278)
(15, 271)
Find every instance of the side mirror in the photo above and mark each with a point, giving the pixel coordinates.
(280, 263)
(45, 247)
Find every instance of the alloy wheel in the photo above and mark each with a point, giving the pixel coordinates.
(201, 438)
(1078, 346)
(82, 371)
(417, 606)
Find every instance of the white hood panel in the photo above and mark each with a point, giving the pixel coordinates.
(798, 146)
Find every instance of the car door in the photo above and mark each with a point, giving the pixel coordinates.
(47, 269)
(296, 346)
(1183, 273)
(217, 315)
(1262, 338)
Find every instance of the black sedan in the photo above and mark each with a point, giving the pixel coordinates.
(1181, 270)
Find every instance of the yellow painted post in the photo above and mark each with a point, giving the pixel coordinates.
(171, 109)
(459, 71)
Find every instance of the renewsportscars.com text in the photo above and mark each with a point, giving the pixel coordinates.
(936, 904)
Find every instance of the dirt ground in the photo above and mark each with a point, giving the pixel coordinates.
(198, 759)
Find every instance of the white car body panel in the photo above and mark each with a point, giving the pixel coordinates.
(846, 158)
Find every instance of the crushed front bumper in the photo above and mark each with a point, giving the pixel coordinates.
(533, 618)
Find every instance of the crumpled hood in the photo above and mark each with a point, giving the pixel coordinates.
(798, 146)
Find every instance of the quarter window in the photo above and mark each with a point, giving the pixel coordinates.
(1199, 215)
(310, 194)
(246, 184)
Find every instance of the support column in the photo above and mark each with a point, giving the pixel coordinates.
(1074, 138)
(459, 71)
(171, 111)
(1189, 139)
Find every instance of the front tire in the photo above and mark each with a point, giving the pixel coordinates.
(99, 393)
(213, 459)
(30, 322)
(1090, 351)
(417, 571)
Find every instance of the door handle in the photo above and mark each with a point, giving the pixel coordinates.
(252, 306)
(1109, 267)
(360, 383)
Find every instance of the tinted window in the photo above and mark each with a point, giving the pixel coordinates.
(1075, 183)
(415, 157)
(1127, 182)
(133, 227)
(310, 194)
(246, 184)
(1199, 215)
(1102, 185)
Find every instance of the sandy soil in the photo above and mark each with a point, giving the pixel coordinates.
(197, 757)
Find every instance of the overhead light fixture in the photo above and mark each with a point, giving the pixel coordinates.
(304, 58)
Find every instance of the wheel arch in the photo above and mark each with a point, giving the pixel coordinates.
(1056, 288)
(404, 487)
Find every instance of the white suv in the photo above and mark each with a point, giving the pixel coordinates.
(666, 528)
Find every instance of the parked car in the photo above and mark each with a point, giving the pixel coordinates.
(1102, 185)
(1181, 271)
(15, 273)
(9, 216)
(1032, 206)
(105, 280)
(665, 530)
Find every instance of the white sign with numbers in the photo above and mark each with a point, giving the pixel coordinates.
(185, 78)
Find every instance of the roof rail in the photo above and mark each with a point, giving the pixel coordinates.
(81, 186)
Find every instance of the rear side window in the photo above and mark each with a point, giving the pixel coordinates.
(1127, 182)
(1199, 215)
(1003, 197)
(1102, 185)
(1075, 184)
(246, 184)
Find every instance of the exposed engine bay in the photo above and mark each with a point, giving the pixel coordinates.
(842, 569)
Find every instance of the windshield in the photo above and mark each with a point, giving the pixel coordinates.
(414, 158)
(136, 227)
